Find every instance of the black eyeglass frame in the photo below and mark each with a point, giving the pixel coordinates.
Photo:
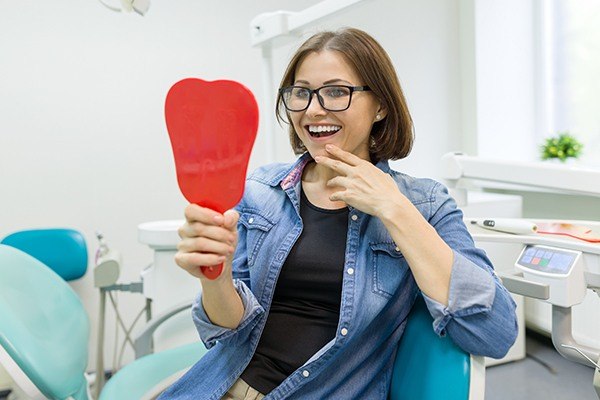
(319, 97)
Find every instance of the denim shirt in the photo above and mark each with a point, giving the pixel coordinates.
(378, 292)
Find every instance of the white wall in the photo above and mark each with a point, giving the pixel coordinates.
(82, 136)
(499, 80)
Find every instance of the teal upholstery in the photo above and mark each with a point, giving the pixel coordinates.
(45, 330)
(427, 366)
(137, 378)
(63, 250)
(43, 325)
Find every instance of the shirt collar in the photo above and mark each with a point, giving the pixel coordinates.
(291, 176)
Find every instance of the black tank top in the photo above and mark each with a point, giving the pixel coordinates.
(306, 304)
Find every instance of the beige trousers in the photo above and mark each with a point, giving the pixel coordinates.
(242, 391)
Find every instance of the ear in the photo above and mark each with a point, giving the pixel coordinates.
(381, 114)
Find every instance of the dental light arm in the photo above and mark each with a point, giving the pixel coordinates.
(283, 25)
(139, 6)
(457, 167)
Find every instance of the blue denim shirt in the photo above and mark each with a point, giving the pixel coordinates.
(378, 292)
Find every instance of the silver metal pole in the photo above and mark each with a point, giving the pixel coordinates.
(99, 383)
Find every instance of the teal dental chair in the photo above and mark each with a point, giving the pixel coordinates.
(44, 333)
(62, 250)
(429, 367)
(47, 355)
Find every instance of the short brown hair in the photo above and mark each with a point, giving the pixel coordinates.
(393, 136)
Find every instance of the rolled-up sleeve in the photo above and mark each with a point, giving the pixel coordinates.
(211, 333)
(480, 316)
(472, 291)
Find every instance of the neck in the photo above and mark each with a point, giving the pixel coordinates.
(314, 184)
(317, 174)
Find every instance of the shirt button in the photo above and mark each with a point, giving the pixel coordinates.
(251, 220)
(397, 248)
(354, 217)
(350, 271)
(305, 373)
(344, 331)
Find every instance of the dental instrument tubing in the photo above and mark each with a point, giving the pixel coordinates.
(508, 225)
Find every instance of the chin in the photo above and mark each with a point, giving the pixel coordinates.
(317, 151)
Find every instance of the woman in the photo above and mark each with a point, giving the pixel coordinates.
(323, 258)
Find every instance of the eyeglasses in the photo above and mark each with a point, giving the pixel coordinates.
(331, 97)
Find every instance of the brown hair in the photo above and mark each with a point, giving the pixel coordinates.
(392, 137)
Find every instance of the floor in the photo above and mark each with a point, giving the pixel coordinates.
(543, 374)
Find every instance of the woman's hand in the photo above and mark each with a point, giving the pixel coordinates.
(208, 238)
(362, 185)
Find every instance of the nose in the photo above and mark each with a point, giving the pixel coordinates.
(315, 108)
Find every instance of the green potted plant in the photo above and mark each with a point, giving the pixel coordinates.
(562, 147)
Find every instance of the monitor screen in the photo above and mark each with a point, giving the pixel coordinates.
(548, 260)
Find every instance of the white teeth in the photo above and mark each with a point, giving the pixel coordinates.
(323, 128)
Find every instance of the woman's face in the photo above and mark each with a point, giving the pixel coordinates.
(349, 129)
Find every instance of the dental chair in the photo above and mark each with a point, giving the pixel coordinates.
(62, 250)
(429, 367)
(44, 334)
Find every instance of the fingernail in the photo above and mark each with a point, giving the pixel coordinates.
(328, 147)
(318, 158)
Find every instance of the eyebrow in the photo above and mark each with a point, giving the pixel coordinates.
(328, 82)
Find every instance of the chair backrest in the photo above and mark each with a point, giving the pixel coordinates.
(43, 325)
(429, 367)
(63, 250)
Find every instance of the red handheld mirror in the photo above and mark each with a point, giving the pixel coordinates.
(212, 127)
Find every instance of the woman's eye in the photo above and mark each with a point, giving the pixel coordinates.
(301, 93)
(336, 92)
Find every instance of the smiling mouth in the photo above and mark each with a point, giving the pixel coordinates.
(318, 131)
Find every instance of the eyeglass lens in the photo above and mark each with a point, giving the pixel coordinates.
(332, 98)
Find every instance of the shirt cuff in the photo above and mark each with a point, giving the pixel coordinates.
(472, 291)
(211, 333)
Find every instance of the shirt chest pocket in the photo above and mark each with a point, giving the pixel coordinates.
(389, 268)
(257, 228)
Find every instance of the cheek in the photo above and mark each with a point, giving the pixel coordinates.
(362, 130)
(296, 124)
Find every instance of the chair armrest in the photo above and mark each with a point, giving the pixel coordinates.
(142, 345)
(477, 378)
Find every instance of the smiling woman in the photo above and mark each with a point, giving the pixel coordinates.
(392, 136)
(313, 304)
(349, 129)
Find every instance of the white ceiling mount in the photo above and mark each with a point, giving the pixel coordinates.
(139, 6)
(267, 27)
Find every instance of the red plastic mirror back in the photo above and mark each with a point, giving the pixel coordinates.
(212, 127)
